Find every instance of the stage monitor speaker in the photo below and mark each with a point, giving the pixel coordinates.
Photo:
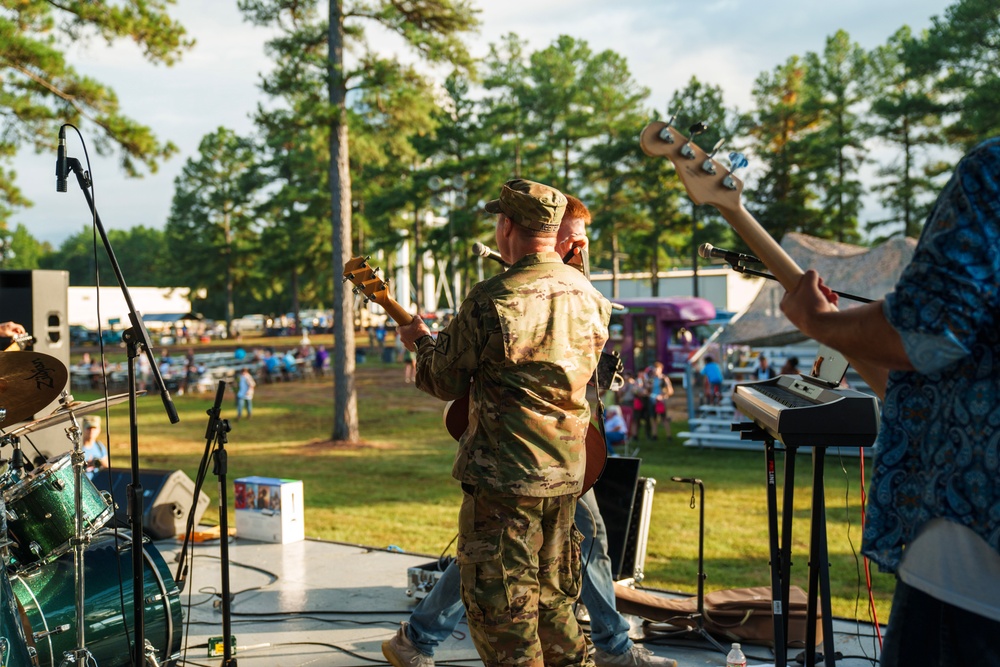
(38, 300)
(616, 497)
(167, 496)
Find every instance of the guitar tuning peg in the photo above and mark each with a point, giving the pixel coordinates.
(694, 131)
(665, 133)
(708, 165)
(736, 161)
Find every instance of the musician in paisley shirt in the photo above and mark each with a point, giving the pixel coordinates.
(936, 484)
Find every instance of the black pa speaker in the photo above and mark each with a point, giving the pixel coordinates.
(615, 492)
(167, 496)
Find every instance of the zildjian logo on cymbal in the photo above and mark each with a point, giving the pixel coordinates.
(42, 375)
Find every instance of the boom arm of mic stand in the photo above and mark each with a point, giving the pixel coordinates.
(142, 335)
(739, 268)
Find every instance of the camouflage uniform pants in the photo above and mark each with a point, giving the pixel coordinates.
(519, 559)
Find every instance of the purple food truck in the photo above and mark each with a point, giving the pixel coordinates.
(666, 329)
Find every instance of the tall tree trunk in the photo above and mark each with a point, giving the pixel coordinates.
(615, 263)
(345, 398)
(296, 307)
(230, 287)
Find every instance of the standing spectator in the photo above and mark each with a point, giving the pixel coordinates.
(409, 366)
(626, 401)
(660, 391)
(244, 394)
(712, 373)
(144, 373)
(319, 362)
(763, 370)
(642, 406)
(791, 366)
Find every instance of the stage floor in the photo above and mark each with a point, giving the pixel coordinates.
(323, 603)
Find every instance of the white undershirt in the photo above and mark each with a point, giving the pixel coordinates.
(950, 562)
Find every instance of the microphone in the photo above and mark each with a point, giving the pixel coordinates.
(61, 168)
(488, 253)
(707, 250)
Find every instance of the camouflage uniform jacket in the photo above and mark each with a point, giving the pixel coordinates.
(530, 338)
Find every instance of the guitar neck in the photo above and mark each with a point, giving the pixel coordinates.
(398, 314)
(764, 246)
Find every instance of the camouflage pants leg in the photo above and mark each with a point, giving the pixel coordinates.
(519, 559)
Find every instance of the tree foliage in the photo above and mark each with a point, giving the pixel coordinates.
(40, 89)
(212, 229)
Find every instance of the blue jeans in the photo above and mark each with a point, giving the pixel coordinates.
(438, 614)
(926, 631)
(242, 403)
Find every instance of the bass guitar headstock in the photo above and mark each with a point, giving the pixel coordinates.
(706, 180)
(368, 283)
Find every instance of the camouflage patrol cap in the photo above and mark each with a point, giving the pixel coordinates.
(530, 205)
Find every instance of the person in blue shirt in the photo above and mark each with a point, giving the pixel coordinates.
(95, 453)
(712, 373)
(931, 348)
(244, 394)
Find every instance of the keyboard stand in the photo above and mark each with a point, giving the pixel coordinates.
(781, 556)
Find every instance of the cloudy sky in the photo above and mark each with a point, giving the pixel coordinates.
(666, 42)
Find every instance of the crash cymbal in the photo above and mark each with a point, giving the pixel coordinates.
(73, 408)
(28, 382)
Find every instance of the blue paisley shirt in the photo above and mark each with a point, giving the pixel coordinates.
(938, 453)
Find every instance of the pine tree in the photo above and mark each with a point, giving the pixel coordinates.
(40, 90)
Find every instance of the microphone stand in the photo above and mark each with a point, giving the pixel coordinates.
(739, 268)
(136, 340)
(217, 429)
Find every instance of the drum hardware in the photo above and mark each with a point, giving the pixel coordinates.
(68, 409)
(58, 630)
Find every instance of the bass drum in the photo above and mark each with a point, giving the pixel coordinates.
(48, 594)
(15, 650)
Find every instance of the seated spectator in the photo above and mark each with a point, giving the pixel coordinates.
(615, 429)
(289, 365)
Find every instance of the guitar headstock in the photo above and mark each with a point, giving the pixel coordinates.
(366, 280)
(20, 342)
(707, 181)
(368, 283)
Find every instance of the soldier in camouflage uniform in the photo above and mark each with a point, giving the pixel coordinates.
(530, 338)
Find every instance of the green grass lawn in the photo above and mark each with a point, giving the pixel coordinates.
(395, 487)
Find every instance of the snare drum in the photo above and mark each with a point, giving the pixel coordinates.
(48, 595)
(41, 518)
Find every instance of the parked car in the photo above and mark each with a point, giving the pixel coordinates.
(81, 335)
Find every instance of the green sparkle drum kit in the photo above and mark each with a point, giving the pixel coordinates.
(66, 595)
